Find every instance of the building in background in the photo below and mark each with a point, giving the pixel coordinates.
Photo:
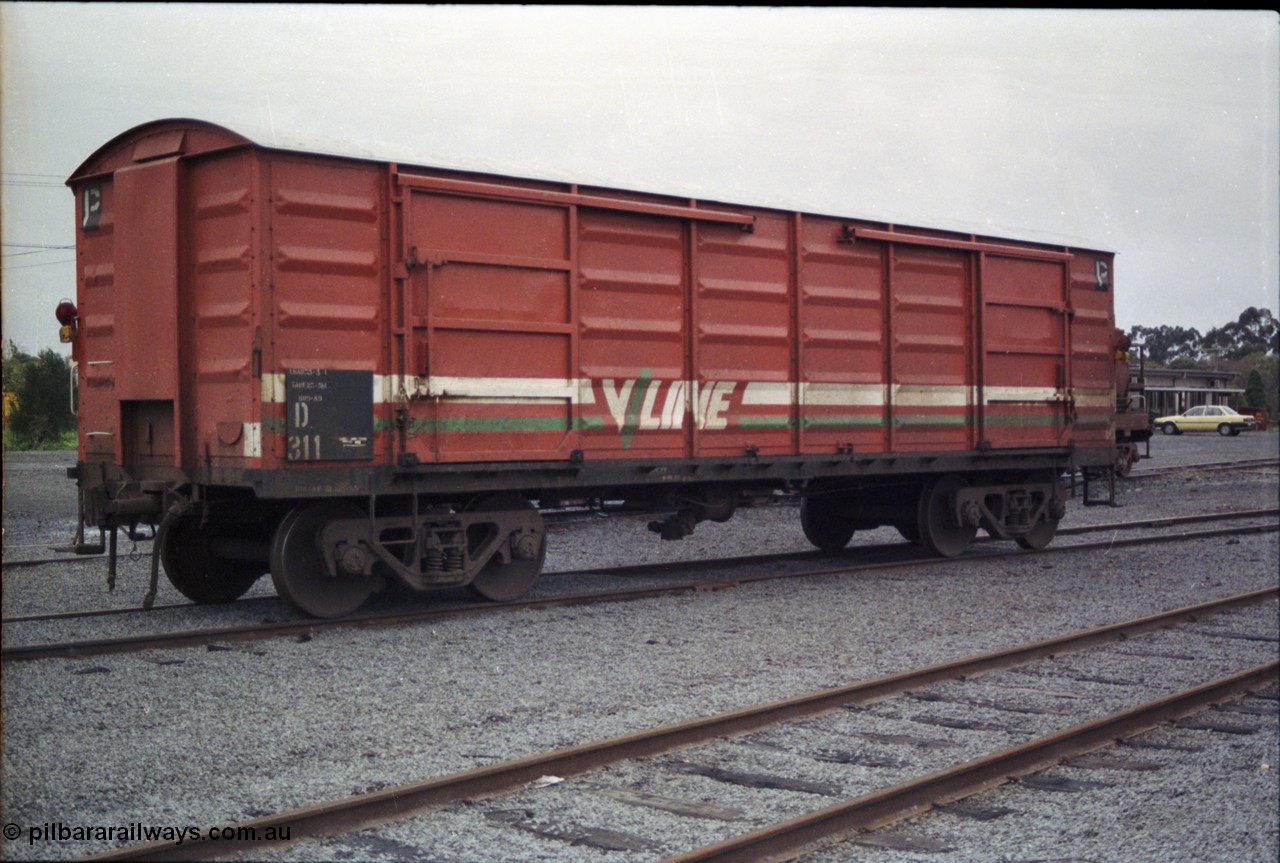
(1172, 391)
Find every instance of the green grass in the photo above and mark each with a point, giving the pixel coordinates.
(13, 442)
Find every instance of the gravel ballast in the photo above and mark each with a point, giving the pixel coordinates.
(200, 737)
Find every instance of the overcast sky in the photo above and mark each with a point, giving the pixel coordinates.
(1151, 133)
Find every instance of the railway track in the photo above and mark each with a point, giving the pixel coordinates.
(723, 580)
(308, 627)
(556, 521)
(889, 805)
(712, 563)
(1097, 713)
(1239, 464)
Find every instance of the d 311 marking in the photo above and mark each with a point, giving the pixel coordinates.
(328, 414)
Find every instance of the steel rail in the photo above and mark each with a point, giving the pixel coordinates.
(391, 804)
(883, 807)
(195, 638)
(555, 520)
(114, 612)
(49, 561)
(1243, 464)
(1170, 521)
(706, 563)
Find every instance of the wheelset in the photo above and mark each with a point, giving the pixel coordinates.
(825, 524)
(193, 567)
(936, 522)
(298, 563)
(504, 580)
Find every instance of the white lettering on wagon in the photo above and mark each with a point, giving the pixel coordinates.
(618, 397)
(645, 404)
(713, 404)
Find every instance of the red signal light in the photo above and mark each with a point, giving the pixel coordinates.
(66, 313)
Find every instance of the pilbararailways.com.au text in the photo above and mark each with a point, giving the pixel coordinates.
(133, 832)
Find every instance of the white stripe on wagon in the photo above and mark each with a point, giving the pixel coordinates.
(253, 440)
(843, 395)
(1023, 394)
(924, 396)
(393, 388)
(504, 389)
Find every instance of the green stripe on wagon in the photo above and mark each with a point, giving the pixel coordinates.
(837, 422)
(534, 425)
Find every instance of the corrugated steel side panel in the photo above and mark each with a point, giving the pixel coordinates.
(326, 299)
(702, 340)
(220, 314)
(146, 299)
(633, 297)
(1024, 345)
(493, 328)
(1093, 349)
(843, 361)
(742, 337)
(930, 345)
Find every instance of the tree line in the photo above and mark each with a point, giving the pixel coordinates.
(37, 400)
(1249, 346)
(1256, 331)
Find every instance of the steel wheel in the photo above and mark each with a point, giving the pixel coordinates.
(503, 582)
(824, 524)
(938, 531)
(1169, 428)
(194, 570)
(298, 564)
(1225, 430)
(1039, 536)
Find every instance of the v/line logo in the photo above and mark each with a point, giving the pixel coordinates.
(645, 404)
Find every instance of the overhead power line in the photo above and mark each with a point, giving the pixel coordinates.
(42, 264)
(31, 181)
(35, 249)
(21, 254)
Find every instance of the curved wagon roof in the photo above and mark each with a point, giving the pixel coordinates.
(188, 137)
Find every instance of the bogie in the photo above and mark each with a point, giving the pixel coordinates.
(945, 511)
